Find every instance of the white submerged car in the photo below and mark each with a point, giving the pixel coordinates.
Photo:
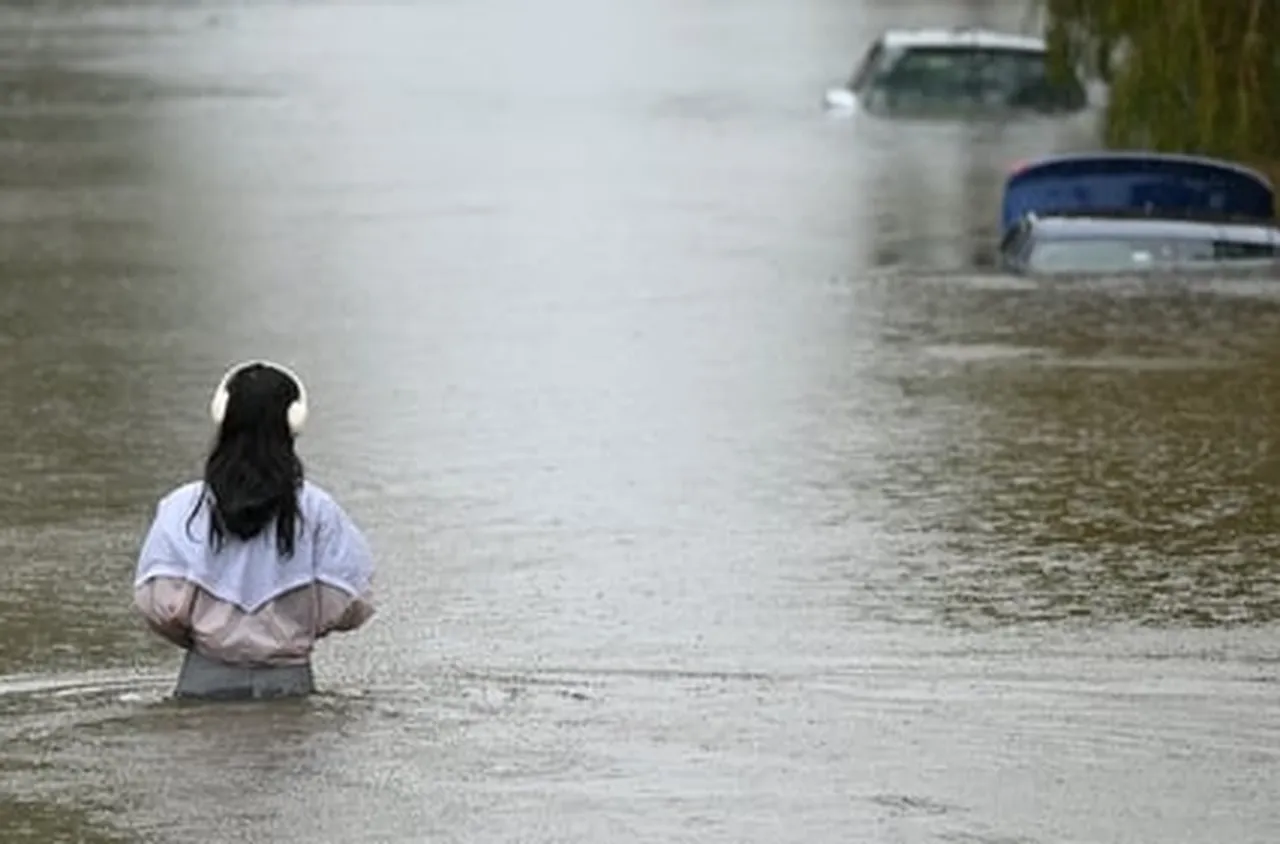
(947, 71)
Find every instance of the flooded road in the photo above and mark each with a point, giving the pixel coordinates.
(720, 497)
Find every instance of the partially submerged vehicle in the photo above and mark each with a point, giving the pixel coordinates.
(1126, 212)
(934, 71)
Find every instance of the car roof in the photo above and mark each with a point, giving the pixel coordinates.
(1137, 184)
(900, 38)
(1068, 228)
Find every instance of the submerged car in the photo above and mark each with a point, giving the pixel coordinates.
(1127, 212)
(942, 70)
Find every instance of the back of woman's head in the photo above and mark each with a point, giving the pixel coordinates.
(252, 474)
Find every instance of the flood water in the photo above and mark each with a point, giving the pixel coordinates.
(720, 494)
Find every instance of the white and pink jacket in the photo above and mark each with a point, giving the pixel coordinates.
(245, 604)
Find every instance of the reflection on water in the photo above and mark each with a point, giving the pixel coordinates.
(33, 822)
(939, 184)
(82, 278)
(1116, 463)
(721, 493)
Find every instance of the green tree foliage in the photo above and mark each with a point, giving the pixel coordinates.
(1200, 76)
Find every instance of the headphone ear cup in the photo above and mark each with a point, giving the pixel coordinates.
(297, 416)
(218, 407)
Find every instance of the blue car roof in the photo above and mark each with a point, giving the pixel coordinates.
(1157, 184)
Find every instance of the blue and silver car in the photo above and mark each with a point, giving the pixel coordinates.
(1126, 212)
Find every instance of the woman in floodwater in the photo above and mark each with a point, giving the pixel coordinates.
(248, 568)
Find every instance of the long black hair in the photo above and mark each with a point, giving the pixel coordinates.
(252, 474)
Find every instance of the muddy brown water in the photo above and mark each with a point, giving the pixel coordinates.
(718, 496)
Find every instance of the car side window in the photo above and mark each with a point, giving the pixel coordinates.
(1014, 239)
(929, 74)
(1024, 79)
(870, 62)
(1234, 250)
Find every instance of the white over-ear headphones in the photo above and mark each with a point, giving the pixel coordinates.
(297, 414)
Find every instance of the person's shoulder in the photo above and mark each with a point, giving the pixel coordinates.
(331, 522)
(323, 510)
(183, 496)
(316, 500)
(177, 506)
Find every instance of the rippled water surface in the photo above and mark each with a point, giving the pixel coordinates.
(721, 494)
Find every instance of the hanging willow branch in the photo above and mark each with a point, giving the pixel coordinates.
(1200, 76)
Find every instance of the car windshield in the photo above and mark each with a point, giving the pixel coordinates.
(1012, 78)
(1089, 255)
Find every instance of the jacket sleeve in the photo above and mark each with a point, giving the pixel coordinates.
(164, 600)
(341, 612)
(344, 574)
(165, 603)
